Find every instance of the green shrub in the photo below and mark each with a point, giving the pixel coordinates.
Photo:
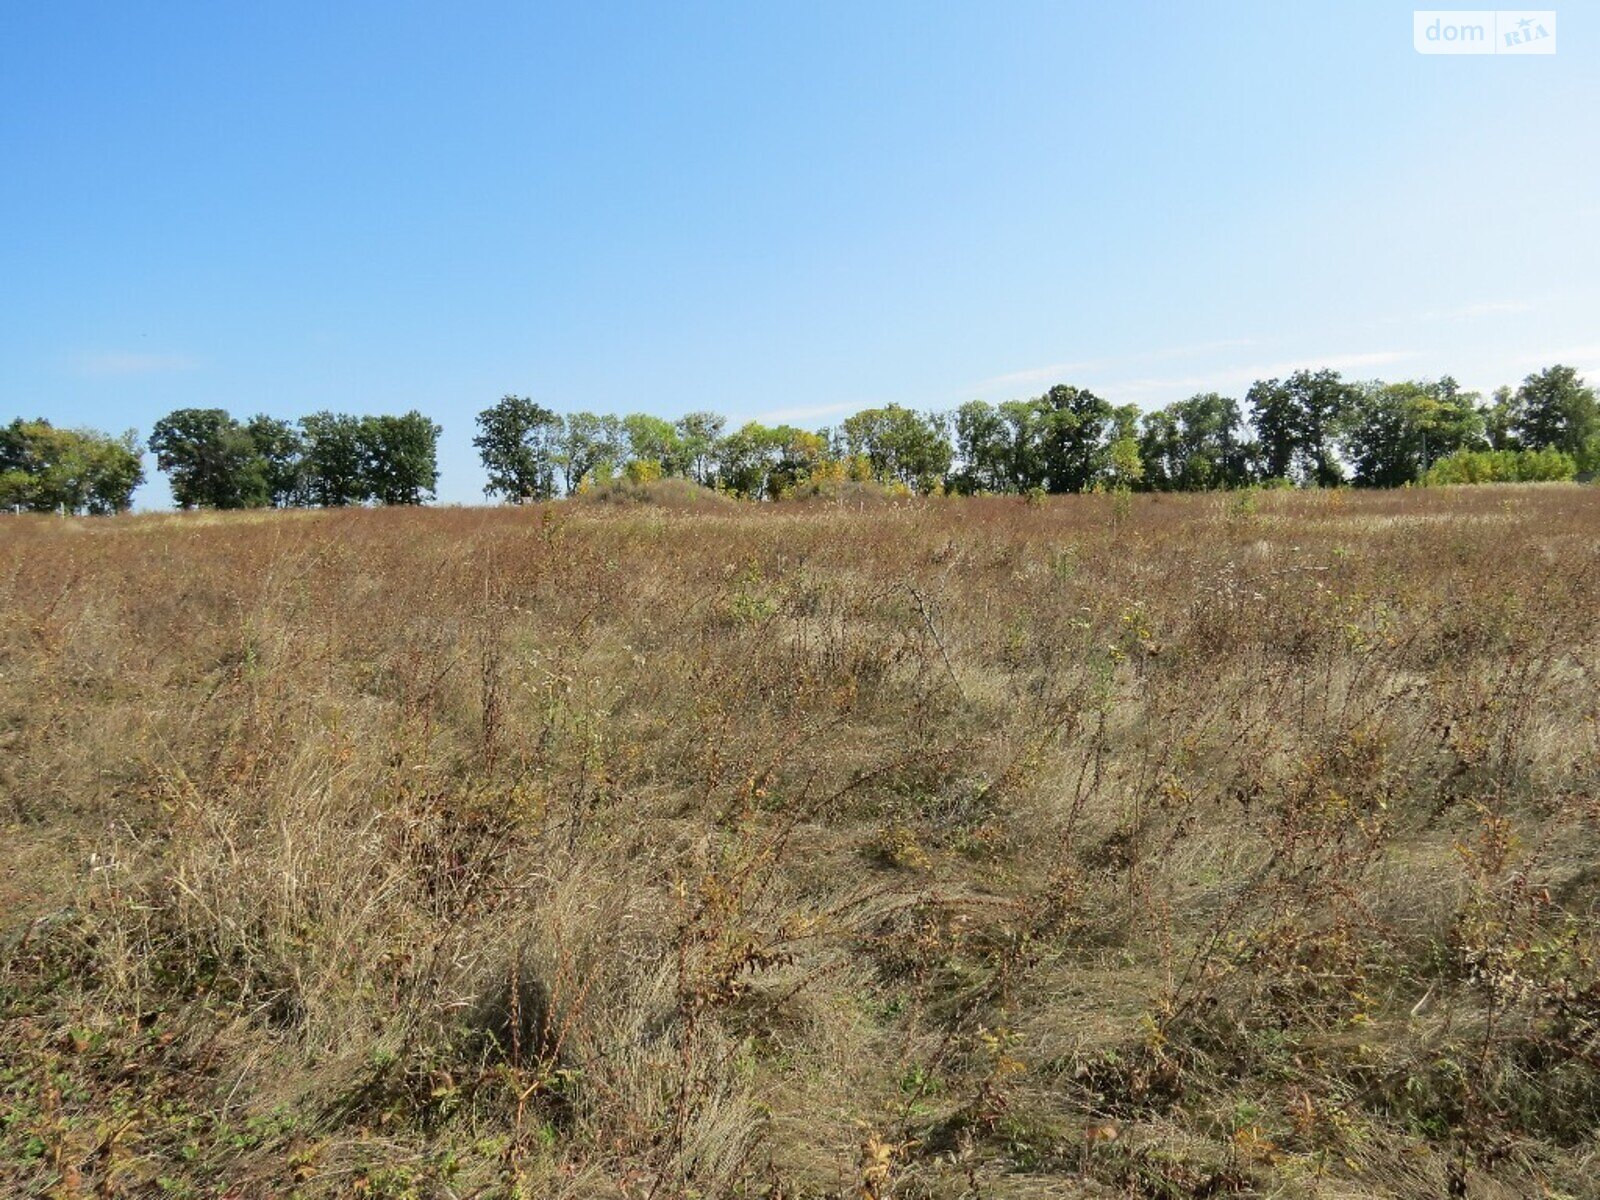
(663, 493)
(1502, 466)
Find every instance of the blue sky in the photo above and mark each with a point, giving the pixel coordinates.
(782, 212)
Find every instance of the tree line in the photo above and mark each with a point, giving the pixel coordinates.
(45, 469)
(1313, 428)
(326, 459)
(215, 461)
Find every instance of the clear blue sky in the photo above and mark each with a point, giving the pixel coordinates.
(777, 211)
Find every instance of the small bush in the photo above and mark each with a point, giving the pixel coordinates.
(849, 493)
(662, 493)
(1502, 466)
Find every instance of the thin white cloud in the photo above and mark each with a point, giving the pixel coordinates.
(1200, 348)
(1547, 358)
(1245, 374)
(119, 365)
(786, 416)
(1055, 372)
(1141, 389)
(1474, 311)
(1040, 374)
(1331, 362)
(1585, 360)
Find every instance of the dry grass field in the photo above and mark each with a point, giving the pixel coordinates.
(1236, 844)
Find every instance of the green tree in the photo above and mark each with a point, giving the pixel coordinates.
(1297, 421)
(115, 470)
(652, 440)
(1393, 432)
(211, 458)
(282, 451)
(698, 433)
(335, 459)
(1025, 460)
(400, 458)
(1447, 420)
(1196, 445)
(519, 441)
(1501, 418)
(1558, 411)
(901, 445)
(1276, 418)
(746, 459)
(800, 458)
(43, 469)
(1379, 436)
(1322, 397)
(1124, 466)
(982, 450)
(1075, 430)
(590, 444)
(1161, 447)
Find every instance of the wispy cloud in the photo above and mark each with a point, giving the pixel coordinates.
(1571, 354)
(785, 416)
(1236, 376)
(1585, 360)
(1032, 375)
(119, 365)
(1056, 372)
(1472, 312)
(1112, 377)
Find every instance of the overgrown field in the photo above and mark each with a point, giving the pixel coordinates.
(1235, 844)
